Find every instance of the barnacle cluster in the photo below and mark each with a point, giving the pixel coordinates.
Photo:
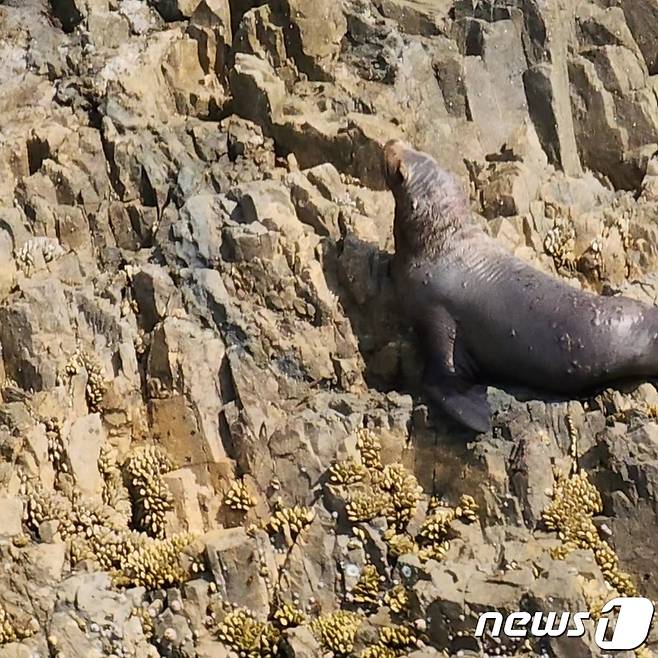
(337, 630)
(84, 527)
(290, 520)
(238, 497)
(619, 217)
(155, 563)
(622, 222)
(101, 545)
(397, 598)
(146, 621)
(434, 532)
(370, 449)
(11, 630)
(55, 445)
(37, 249)
(435, 528)
(392, 492)
(347, 472)
(399, 543)
(364, 506)
(96, 382)
(98, 532)
(403, 493)
(41, 507)
(592, 260)
(560, 243)
(467, 510)
(397, 637)
(369, 489)
(366, 590)
(252, 638)
(151, 496)
(575, 501)
(287, 615)
(115, 493)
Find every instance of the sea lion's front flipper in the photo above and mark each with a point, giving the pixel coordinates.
(466, 403)
(449, 370)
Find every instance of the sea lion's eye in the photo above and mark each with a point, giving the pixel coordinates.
(403, 172)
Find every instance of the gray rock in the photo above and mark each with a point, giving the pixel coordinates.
(327, 180)
(11, 516)
(260, 35)
(493, 82)
(312, 208)
(415, 17)
(641, 18)
(301, 643)
(198, 229)
(85, 438)
(315, 32)
(229, 552)
(547, 82)
(259, 94)
(185, 361)
(210, 27)
(269, 203)
(212, 649)
(175, 10)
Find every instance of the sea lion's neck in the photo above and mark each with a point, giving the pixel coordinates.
(423, 226)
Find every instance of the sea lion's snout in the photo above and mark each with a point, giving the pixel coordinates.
(395, 169)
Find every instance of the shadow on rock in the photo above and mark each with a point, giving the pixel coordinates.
(358, 273)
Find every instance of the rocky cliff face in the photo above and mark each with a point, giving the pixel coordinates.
(212, 440)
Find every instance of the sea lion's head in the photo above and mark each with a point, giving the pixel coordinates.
(412, 173)
(429, 201)
(395, 170)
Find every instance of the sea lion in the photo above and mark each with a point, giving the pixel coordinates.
(484, 316)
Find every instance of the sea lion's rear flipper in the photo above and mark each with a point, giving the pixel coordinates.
(449, 370)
